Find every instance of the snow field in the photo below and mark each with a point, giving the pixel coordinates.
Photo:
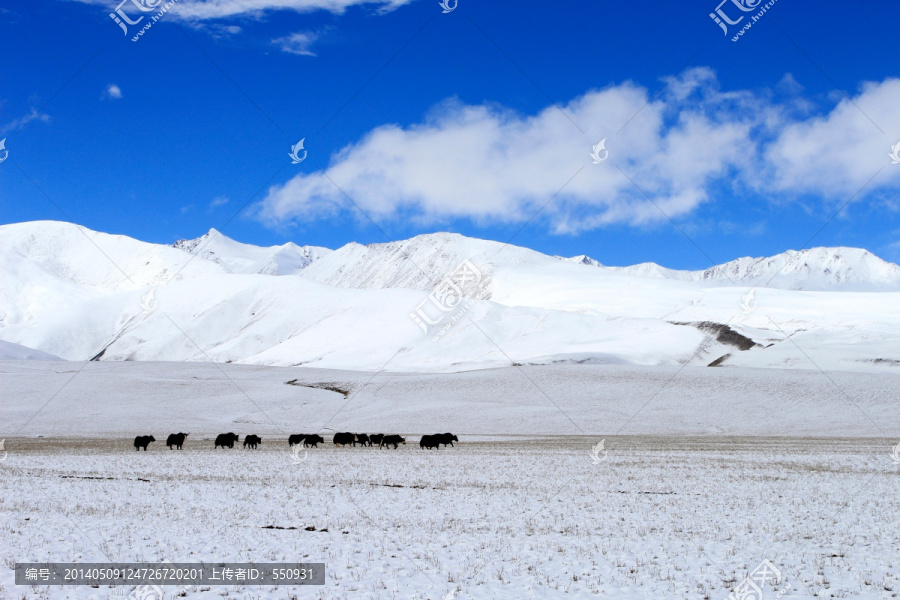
(130, 398)
(529, 517)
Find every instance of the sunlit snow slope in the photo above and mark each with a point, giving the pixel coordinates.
(80, 294)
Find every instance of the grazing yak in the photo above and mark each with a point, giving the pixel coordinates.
(313, 440)
(176, 439)
(363, 439)
(446, 438)
(252, 441)
(343, 438)
(296, 438)
(392, 439)
(430, 441)
(142, 441)
(226, 439)
(375, 439)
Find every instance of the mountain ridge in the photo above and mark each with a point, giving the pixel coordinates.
(74, 293)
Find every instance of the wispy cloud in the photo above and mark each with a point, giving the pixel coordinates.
(297, 43)
(201, 10)
(23, 120)
(218, 201)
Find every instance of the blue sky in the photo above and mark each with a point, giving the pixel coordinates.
(469, 121)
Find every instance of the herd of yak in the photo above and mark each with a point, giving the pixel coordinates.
(227, 440)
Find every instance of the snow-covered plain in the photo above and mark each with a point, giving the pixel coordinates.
(688, 493)
(528, 517)
(127, 398)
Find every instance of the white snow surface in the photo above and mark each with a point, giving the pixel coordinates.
(115, 398)
(79, 294)
(534, 517)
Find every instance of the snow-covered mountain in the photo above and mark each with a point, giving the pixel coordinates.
(849, 269)
(78, 294)
(287, 259)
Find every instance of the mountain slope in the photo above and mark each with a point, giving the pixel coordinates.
(99, 260)
(10, 351)
(419, 263)
(79, 294)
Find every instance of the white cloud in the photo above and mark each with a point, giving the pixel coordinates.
(201, 10)
(218, 201)
(297, 43)
(113, 91)
(833, 155)
(489, 164)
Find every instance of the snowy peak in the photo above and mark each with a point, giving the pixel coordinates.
(418, 263)
(813, 269)
(581, 259)
(236, 257)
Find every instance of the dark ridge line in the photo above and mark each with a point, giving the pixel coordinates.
(319, 386)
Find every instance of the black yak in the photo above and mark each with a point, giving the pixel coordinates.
(363, 439)
(252, 441)
(430, 441)
(176, 439)
(375, 439)
(343, 438)
(296, 438)
(226, 439)
(312, 440)
(392, 439)
(142, 441)
(446, 438)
